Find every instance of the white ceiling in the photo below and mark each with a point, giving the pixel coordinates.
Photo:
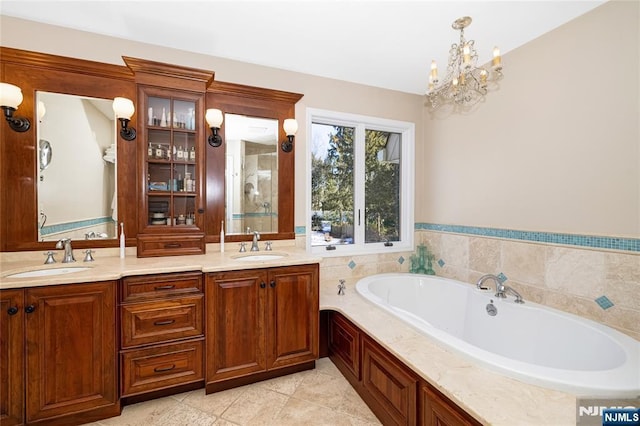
(387, 44)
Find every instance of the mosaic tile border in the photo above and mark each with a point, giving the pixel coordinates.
(70, 226)
(611, 243)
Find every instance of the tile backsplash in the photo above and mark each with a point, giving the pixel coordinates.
(598, 284)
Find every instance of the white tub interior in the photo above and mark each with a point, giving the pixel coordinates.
(530, 342)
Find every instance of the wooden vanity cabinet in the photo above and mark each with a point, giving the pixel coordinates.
(260, 323)
(58, 354)
(162, 336)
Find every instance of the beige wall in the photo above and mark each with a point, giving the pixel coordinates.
(557, 148)
(318, 92)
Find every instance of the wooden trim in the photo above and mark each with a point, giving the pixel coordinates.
(252, 92)
(168, 75)
(63, 63)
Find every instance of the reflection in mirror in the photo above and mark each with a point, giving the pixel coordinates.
(251, 174)
(77, 185)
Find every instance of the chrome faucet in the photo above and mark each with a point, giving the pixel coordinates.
(501, 289)
(254, 244)
(514, 293)
(68, 250)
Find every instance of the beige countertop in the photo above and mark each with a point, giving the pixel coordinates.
(113, 267)
(490, 397)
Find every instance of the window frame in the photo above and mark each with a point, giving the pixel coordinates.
(407, 181)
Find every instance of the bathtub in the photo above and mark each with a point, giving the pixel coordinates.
(528, 342)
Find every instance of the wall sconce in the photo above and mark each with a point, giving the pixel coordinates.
(124, 109)
(214, 120)
(10, 98)
(290, 127)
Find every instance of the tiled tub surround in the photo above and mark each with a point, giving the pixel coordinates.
(573, 279)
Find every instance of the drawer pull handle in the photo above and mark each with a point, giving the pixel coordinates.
(164, 287)
(172, 245)
(163, 369)
(165, 322)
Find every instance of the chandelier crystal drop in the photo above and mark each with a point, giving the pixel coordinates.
(465, 83)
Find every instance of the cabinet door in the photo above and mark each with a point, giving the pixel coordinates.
(438, 411)
(390, 388)
(292, 315)
(344, 345)
(235, 324)
(71, 349)
(11, 357)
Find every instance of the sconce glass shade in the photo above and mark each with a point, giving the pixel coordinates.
(290, 126)
(10, 95)
(123, 108)
(214, 118)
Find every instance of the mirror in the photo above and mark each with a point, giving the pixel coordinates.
(251, 175)
(76, 194)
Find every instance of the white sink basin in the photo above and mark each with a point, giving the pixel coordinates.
(48, 272)
(260, 257)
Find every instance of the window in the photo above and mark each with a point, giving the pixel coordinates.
(361, 184)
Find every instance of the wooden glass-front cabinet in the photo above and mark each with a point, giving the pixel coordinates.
(58, 354)
(171, 157)
(174, 174)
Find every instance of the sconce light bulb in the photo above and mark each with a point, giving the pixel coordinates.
(123, 108)
(10, 95)
(290, 126)
(214, 117)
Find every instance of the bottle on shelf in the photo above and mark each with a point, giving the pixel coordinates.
(150, 151)
(180, 154)
(163, 120)
(192, 154)
(159, 152)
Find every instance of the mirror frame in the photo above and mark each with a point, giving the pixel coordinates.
(32, 72)
(255, 102)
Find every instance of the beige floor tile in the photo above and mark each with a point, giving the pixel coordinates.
(322, 389)
(214, 403)
(316, 397)
(299, 412)
(256, 406)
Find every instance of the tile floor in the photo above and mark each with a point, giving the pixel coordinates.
(316, 397)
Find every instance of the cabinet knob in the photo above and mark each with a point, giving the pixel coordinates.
(29, 309)
(12, 310)
(262, 285)
(272, 284)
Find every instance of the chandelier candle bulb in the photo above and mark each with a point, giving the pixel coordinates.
(497, 60)
(466, 55)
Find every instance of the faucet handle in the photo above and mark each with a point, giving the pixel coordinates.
(88, 257)
(341, 288)
(243, 247)
(268, 246)
(50, 258)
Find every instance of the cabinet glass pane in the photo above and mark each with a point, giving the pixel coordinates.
(159, 112)
(184, 115)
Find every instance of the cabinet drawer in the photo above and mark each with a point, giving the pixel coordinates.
(155, 322)
(170, 245)
(160, 367)
(152, 287)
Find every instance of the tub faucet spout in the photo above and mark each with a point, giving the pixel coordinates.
(500, 289)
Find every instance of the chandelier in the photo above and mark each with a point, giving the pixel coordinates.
(465, 83)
